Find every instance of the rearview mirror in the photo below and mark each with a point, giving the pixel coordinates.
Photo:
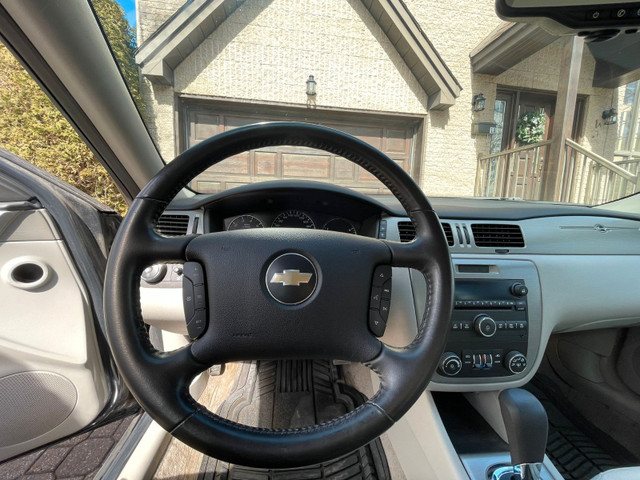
(595, 20)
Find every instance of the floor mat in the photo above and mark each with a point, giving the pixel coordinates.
(293, 394)
(573, 446)
(77, 457)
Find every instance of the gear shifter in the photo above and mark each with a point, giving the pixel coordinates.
(527, 426)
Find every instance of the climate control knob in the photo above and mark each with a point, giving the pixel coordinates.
(515, 362)
(485, 325)
(450, 364)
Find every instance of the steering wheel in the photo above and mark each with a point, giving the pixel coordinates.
(252, 313)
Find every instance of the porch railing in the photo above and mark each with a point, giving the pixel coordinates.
(512, 173)
(592, 179)
(587, 178)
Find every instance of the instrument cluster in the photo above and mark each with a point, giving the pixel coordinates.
(292, 218)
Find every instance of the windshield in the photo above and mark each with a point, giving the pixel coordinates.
(467, 104)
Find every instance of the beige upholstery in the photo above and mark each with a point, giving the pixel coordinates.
(630, 473)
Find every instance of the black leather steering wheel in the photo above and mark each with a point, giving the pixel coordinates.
(245, 322)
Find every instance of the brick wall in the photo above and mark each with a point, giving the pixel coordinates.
(150, 14)
(266, 50)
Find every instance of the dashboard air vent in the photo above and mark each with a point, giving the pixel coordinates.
(448, 233)
(172, 225)
(497, 235)
(407, 231)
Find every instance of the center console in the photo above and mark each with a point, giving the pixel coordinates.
(489, 331)
(494, 332)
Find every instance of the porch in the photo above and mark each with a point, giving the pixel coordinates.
(584, 177)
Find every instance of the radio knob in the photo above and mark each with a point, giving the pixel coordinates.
(519, 289)
(515, 362)
(450, 364)
(484, 325)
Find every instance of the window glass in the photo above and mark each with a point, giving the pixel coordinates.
(33, 128)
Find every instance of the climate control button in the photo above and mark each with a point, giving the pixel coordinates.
(485, 325)
(515, 362)
(450, 364)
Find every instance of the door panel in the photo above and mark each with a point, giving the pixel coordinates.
(52, 380)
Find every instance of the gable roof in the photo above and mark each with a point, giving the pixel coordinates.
(161, 53)
(507, 45)
(617, 61)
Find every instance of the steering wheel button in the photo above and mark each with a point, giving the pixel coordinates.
(376, 295)
(377, 324)
(200, 297)
(386, 290)
(197, 325)
(381, 274)
(384, 309)
(188, 298)
(193, 271)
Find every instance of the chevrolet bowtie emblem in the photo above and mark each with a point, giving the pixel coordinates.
(291, 278)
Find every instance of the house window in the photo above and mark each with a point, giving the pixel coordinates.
(628, 144)
(498, 118)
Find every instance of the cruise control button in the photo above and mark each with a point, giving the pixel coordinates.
(193, 271)
(198, 324)
(376, 324)
(188, 298)
(376, 296)
(381, 275)
(200, 297)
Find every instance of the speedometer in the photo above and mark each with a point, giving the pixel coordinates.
(244, 222)
(293, 219)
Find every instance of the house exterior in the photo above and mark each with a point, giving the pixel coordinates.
(399, 74)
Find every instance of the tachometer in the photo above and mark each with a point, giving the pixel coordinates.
(340, 225)
(244, 222)
(293, 219)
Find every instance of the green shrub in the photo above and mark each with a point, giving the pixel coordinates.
(33, 128)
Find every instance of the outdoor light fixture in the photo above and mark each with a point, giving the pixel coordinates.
(478, 102)
(311, 86)
(610, 116)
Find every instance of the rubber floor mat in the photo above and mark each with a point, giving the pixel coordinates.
(293, 394)
(572, 446)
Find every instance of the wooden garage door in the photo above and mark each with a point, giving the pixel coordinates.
(288, 162)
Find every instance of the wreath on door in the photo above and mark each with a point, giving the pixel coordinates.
(530, 127)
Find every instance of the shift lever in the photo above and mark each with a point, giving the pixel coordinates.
(527, 426)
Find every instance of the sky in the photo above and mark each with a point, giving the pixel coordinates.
(129, 7)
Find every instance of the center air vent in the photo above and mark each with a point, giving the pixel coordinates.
(448, 233)
(408, 232)
(497, 235)
(172, 225)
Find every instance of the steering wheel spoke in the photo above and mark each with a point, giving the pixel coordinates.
(169, 249)
(408, 255)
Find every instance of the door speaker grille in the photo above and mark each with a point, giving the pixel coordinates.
(33, 403)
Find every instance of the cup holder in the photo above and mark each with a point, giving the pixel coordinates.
(26, 273)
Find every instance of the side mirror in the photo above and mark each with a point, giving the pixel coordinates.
(596, 20)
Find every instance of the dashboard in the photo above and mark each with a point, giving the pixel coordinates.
(523, 270)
